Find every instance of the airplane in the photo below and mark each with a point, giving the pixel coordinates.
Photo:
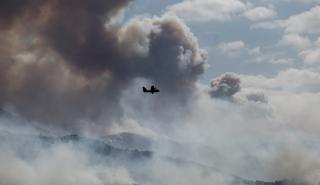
(152, 90)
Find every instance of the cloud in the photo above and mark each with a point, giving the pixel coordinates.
(305, 22)
(269, 25)
(311, 55)
(208, 10)
(253, 55)
(232, 48)
(292, 80)
(260, 13)
(282, 61)
(255, 51)
(296, 41)
(303, 1)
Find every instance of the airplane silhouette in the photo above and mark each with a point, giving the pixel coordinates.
(152, 90)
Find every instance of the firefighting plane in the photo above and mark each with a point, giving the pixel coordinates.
(152, 90)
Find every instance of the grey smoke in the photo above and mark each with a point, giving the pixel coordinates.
(225, 86)
(66, 65)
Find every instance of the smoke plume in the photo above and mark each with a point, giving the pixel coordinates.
(65, 64)
(225, 86)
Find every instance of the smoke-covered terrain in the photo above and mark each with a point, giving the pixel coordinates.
(72, 111)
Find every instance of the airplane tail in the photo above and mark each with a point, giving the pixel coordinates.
(144, 89)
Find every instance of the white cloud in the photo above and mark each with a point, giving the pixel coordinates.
(282, 61)
(255, 51)
(317, 42)
(253, 55)
(295, 41)
(269, 25)
(208, 10)
(257, 55)
(306, 22)
(311, 55)
(232, 48)
(293, 80)
(260, 13)
(303, 1)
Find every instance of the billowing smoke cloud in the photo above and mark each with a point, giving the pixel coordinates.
(66, 64)
(225, 86)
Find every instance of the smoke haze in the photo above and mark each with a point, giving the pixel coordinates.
(67, 68)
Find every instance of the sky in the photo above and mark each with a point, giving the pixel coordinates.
(233, 38)
(239, 92)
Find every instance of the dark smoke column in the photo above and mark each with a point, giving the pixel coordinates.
(68, 64)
